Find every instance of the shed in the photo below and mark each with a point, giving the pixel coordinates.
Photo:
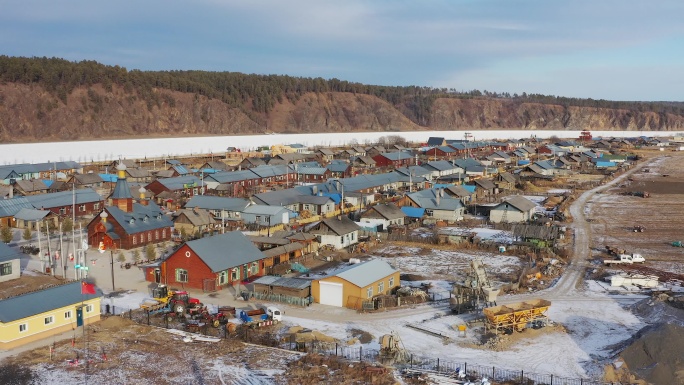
(294, 287)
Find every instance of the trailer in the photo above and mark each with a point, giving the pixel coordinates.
(517, 316)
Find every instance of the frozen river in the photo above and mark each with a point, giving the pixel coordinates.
(100, 150)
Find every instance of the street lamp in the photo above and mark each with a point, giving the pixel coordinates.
(102, 247)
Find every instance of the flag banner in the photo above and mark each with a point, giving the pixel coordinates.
(87, 288)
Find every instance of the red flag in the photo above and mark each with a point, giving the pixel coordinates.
(87, 288)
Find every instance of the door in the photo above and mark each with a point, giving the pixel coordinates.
(79, 316)
(157, 275)
(330, 293)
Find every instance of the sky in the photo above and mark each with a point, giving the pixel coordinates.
(600, 49)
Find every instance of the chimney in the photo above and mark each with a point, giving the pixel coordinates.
(438, 198)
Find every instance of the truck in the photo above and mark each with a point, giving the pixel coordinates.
(625, 258)
(257, 318)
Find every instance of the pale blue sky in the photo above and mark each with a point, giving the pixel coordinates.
(610, 49)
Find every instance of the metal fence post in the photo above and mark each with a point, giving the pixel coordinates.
(438, 364)
(522, 375)
(335, 349)
(130, 313)
(148, 318)
(360, 353)
(493, 378)
(552, 379)
(411, 360)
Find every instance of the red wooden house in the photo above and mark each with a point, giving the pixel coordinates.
(210, 263)
(396, 159)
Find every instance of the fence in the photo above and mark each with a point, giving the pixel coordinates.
(282, 298)
(359, 353)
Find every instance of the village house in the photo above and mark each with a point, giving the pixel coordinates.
(194, 221)
(222, 208)
(210, 264)
(340, 232)
(355, 283)
(90, 180)
(46, 313)
(10, 266)
(185, 186)
(513, 209)
(339, 169)
(86, 202)
(263, 215)
(393, 159)
(384, 215)
(30, 187)
(441, 168)
(437, 204)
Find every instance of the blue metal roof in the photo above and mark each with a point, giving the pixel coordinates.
(142, 218)
(9, 207)
(7, 253)
(225, 251)
(111, 178)
(413, 212)
(37, 302)
(64, 198)
(337, 198)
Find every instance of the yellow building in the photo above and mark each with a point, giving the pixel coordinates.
(355, 283)
(40, 314)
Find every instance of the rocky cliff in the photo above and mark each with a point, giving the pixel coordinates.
(29, 113)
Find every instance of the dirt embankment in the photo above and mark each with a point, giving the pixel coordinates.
(29, 113)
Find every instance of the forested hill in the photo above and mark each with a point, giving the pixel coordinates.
(54, 99)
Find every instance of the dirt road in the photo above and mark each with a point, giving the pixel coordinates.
(567, 284)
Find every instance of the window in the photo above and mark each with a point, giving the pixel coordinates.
(369, 292)
(181, 275)
(23, 328)
(135, 240)
(352, 236)
(62, 211)
(96, 206)
(255, 268)
(6, 268)
(235, 274)
(156, 235)
(163, 233)
(67, 314)
(149, 237)
(88, 308)
(391, 282)
(381, 287)
(49, 320)
(82, 208)
(342, 240)
(142, 238)
(194, 191)
(223, 278)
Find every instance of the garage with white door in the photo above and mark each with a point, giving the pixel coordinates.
(331, 293)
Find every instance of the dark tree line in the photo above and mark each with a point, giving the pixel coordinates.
(262, 92)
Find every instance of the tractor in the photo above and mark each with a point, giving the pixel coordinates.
(176, 302)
